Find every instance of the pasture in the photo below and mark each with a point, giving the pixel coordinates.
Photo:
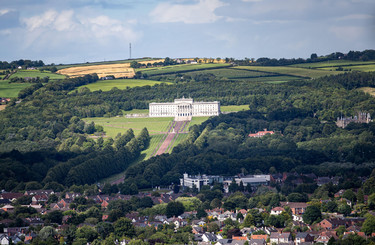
(179, 68)
(37, 73)
(106, 85)
(291, 71)
(333, 63)
(11, 90)
(368, 90)
(234, 108)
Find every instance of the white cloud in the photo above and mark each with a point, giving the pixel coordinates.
(355, 17)
(202, 11)
(4, 11)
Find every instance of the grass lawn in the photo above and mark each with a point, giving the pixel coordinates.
(37, 73)
(114, 125)
(106, 85)
(364, 68)
(291, 71)
(234, 108)
(11, 90)
(136, 111)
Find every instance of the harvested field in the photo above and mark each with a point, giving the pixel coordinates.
(2, 107)
(117, 70)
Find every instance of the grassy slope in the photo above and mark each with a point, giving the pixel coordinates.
(11, 90)
(291, 71)
(106, 85)
(178, 68)
(37, 73)
(334, 63)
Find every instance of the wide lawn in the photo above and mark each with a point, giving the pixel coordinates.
(106, 85)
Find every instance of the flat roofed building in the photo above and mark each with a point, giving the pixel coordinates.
(184, 109)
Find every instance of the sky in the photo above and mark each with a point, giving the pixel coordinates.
(76, 31)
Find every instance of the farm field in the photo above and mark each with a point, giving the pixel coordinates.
(335, 63)
(364, 68)
(59, 67)
(116, 69)
(179, 68)
(11, 90)
(106, 85)
(291, 71)
(37, 73)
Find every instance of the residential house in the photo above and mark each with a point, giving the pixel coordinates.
(277, 210)
(39, 192)
(331, 224)
(298, 208)
(257, 242)
(4, 239)
(230, 242)
(210, 237)
(302, 237)
(277, 237)
(261, 133)
(259, 237)
(324, 236)
(8, 208)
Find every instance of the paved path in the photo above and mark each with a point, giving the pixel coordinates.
(173, 132)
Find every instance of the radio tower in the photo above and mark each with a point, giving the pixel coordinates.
(130, 51)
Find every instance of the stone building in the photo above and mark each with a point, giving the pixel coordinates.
(184, 109)
(362, 117)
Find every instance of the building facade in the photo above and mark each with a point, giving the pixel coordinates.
(362, 117)
(184, 109)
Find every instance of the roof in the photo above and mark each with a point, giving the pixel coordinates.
(279, 235)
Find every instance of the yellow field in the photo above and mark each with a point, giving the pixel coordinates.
(2, 107)
(368, 90)
(117, 70)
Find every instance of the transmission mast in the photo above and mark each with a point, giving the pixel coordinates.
(130, 51)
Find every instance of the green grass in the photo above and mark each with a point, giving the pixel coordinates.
(106, 85)
(179, 68)
(37, 73)
(234, 108)
(11, 90)
(136, 111)
(114, 125)
(333, 63)
(291, 71)
(177, 141)
(364, 68)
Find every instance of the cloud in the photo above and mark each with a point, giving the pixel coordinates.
(9, 18)
(202, 11)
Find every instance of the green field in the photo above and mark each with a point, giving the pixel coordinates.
(291, 71)
(179, 68)
(11, 90)
(364, 68)
(114, 125)
(333, 63)
(37, 73)
(136, 111)
(106, 85)
(234, 108)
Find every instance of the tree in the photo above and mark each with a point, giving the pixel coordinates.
(47, 232)
(87, 232)
(313, 56)
(104, 229)
(174, 209)
(368, 226)
(213, 227)
(249, 220)
(124, 228)
(55, 216)
(312, 214)
(344, 209)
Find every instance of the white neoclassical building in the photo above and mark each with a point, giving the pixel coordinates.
(184, 109)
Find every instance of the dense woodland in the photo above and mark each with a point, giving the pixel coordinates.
(43, 138)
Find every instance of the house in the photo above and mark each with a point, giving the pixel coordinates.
(259, 237)
(261, 133)
(8, 208)
(39, 192)
(4, 239)
(303, 237)
(277, 210)
(230, 242)
(331, 224)
(210, 237)
(325, 236)
(298, 208)
(257, 242)
(12, 196)
(277, 237)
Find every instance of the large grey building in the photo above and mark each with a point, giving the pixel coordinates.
(184, 109)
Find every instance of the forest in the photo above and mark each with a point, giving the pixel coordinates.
(45, 142)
